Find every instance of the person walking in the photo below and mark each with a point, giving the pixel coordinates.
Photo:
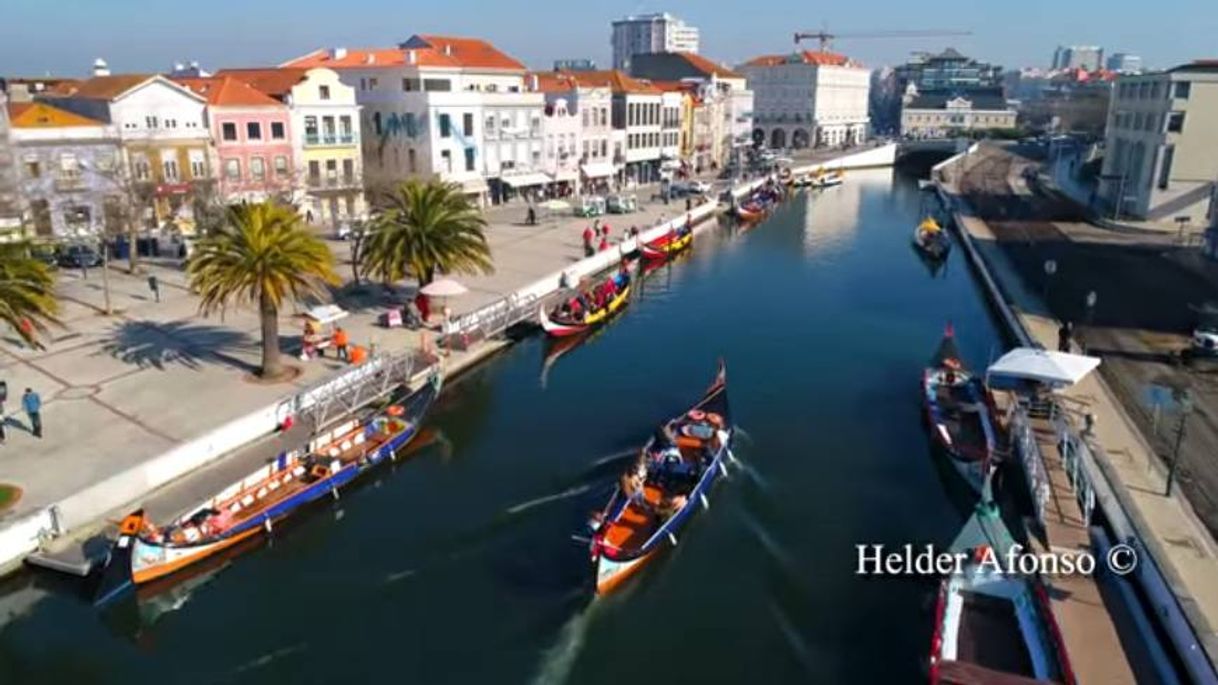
(1063, 336)
(341, 343)
(532, 216)
(32, 404)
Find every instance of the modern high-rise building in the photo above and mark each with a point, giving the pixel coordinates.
(947, 70)
(1124, 63)
(1089, 57)
(642, 33)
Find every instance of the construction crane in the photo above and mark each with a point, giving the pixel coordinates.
(825, 37)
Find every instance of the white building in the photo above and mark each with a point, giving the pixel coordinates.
(808, 99)
(643, 33)
(578, 131)
(944, 114)
(457, 109)
(1161, 139)
(10, 198)
(1124, 63)
(1089, 57)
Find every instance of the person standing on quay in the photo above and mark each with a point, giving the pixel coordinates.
(1063, 337)
(588, 236)
(341, 343)
(32, 404)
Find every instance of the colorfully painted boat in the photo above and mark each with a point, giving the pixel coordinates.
(931, 239)
(145, 552)
(750, 213)
(992, 623)
(959, 412)
(668, 483)
(560, 323)
(827, 179)
(668, 245)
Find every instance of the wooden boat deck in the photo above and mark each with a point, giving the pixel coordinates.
(963, 425)
(990, 637)
(1087, 626)
(635, 525)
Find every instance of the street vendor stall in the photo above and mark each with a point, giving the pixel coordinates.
(319, 329)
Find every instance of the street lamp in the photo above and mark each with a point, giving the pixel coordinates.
(1184, 402)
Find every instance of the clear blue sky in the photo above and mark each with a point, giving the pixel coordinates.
(64, 36)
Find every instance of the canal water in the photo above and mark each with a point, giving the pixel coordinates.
(458, 565)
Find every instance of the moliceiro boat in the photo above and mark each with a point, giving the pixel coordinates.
(145, 552)
(826, 179)
(931, 239)
(669, 244)
(666, 485)
(586, 310)
(993, 624)
(958, 412)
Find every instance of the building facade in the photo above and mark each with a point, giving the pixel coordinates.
(947, 70)
(590, 144)
(166, 145)
(808, 99)
(637, 119)
(1123, 63)
(562, 135)
(1162, 136)
(325, 133)
(69, 171)
(456, 109)
(945, 116)
(722, 95)
(11, 205)
(645, 33)
(1089, 57)
(254, 149)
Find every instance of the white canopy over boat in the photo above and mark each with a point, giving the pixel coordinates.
(1058, 369)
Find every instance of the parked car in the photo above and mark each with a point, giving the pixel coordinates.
(79, 256)
(622, 204)
(697, 187)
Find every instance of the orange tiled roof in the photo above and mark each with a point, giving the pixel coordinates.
(807, 57)
(108, 87)
(42, 115)
(429, 51)
(707, 66)
(227, 91)
(614, 79)
(675, 86)
(276, 82)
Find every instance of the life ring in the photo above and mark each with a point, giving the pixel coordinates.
(696, 415)
(714, 419)
(395, 410)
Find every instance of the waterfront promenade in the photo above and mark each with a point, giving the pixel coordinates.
(1169, 527)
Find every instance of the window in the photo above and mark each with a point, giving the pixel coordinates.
(315, 172)
(1182, 89)
(488, 126)
(345, 130)
(1151, 119)
(467, 124)
(1175, 122)
(32, 168)
(277, 131)
(584, 148)
(281, 166)
(258, 168)
(363, 84)
(604, 148)
(150, 122)
(410, 156)
(253, 131)
(376, 122)
(1143, 90)
(170, 168)
(1154, 91)
(434, 84)
(535, 127)
(445, 126)
(469, 159)
(140, 168)
(410, 84)
(1169, 153)
(69, 167)
(372, 84)
(446, 161)
(1137, 121)
(42, 216)
(171, 123)
(323, 92)
(332, 172)
(349, 170)
(232, 169)
(310, 126)
(585, 118)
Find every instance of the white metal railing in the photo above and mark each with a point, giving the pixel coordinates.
(1023, 444)
(1074, 452)
(490, 320)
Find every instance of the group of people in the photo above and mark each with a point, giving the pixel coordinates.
(591, 233)
(315, 341)
(662, 461)
(594, 299)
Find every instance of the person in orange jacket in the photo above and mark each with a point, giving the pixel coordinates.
(341, 342)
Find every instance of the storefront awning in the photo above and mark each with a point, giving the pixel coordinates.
(598, 169)
(522, 180)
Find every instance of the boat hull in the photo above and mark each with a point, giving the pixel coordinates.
(971, 460)
(666, 247)
(560, 329)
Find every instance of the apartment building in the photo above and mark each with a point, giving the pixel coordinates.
(637, 113)
(644, 33)
(1162, 135)
(808, 99)
(446, 107)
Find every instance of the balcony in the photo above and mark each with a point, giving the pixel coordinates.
(329, 139)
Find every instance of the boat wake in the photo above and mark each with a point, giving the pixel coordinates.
(565, 494)
(791, 636)
(559, 659)
(267, 658)
(767, 541)
(391, 578)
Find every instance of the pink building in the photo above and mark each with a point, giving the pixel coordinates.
(253, 138)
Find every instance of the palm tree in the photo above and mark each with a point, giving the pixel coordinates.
(424, 229)
(263, 256)
(27, 293)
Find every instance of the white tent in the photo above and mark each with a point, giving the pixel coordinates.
(1058, 369)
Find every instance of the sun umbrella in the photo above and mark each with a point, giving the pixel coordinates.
(445, 287)
(1058, 369)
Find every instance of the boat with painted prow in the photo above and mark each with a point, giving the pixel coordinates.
(144, 552)
(668, 245)
(959, 412)
(574, 316)
(667, 484)
(992, 623)
(931, 239)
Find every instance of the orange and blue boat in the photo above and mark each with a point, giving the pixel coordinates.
(665, 487)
